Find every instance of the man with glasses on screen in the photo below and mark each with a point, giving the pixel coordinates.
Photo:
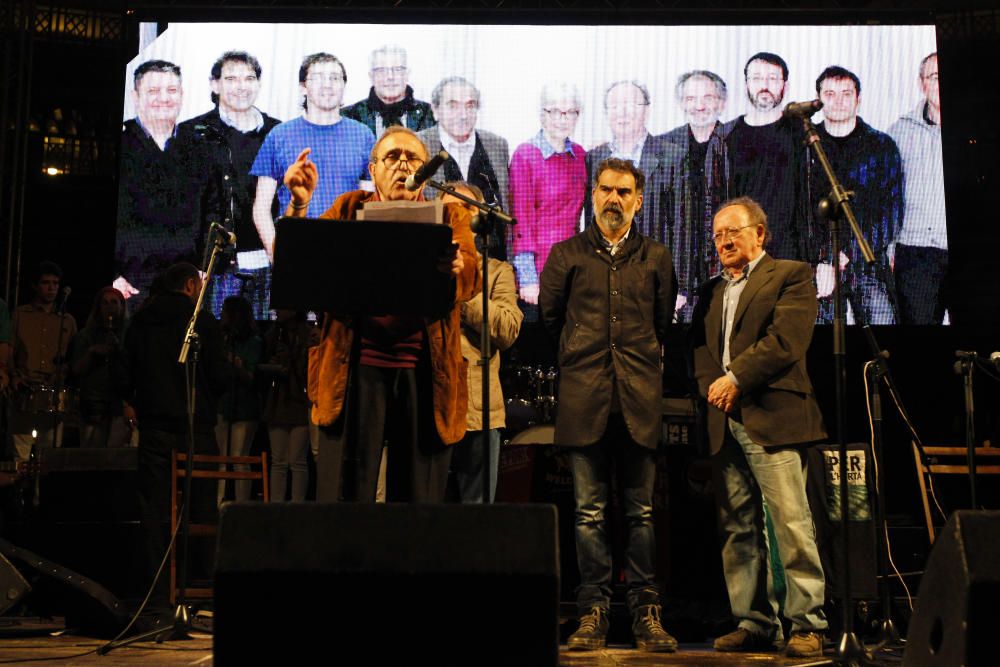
(766, 158)
(339, 146)
(868, 164)
(226, 140)
(921, 249)
(395, 378)
(750, 334)
(626, 104)
(390, 100)
(159, 213)
(699, 181)
(477, 157)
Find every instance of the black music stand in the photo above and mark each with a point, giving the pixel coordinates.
(355, 267)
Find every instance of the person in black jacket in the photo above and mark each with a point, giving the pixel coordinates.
(608, 295)
(154, 386)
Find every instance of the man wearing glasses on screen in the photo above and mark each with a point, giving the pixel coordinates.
(767, 163)
(699, 181)
(478, 157)
(390, 100)
(339, 146)
(921, 249)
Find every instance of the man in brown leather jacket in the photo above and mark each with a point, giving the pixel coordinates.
(607, 294)
(395, 378)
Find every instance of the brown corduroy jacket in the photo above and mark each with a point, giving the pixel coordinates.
(331, 360)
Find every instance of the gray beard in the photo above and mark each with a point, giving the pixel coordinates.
(612, 219)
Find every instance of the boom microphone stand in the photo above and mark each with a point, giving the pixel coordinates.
(189, 357)
(483, 225)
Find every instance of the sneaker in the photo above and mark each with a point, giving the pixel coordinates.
(649, 633)
(742, 640)
(593, 631)
(803, 644)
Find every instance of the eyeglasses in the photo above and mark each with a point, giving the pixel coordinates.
(622, 107)
(325, 78)
(393, 158)
(930, 77)
(382, 71)
(708, 100)
(571, 114)
(456, 105)
(771, 78)
(727, 235)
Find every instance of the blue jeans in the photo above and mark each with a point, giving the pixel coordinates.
(746, 476)
(635, 469)
(467, 464)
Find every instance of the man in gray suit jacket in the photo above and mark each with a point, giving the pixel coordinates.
(751, 330)
(478, 157)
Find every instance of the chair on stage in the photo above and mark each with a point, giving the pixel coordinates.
(948, 460)
(223, 468)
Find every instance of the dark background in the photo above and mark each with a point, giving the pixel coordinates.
(60, 104)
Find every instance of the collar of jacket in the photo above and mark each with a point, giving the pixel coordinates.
(631, 244)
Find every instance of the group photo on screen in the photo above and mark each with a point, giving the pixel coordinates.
(214, 114)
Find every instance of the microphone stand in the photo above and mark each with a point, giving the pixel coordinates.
(964, 368)
(189, 357)
(482, 226)
(849, 648)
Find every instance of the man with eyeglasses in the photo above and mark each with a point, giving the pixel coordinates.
(477, 157)
(921, 248)
(699, 181)
(390, 100)
(225, 141)
(548, 183)
(868, 164)
(751, 330)
(626, 104)
(398, 378)
(767, 162)
(339, 146)
(160, 218)
(607, 295)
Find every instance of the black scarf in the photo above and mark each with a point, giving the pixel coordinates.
(391, 113)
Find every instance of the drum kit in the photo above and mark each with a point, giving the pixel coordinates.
(531, 405)
(47, 402)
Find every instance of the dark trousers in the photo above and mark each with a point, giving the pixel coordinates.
(920, 276)
(153, 481)
(616, 461)
(394, 405)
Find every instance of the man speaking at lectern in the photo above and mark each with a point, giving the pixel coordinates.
(394, 377)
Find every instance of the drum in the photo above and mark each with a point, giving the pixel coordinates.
(46, 399)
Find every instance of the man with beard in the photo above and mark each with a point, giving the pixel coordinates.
(766, 159)
(339, 146)
(626, 104)
(390, 100)
(607, 295)
(225, 142)
(699, 179)
(868, 164)
(921, 251)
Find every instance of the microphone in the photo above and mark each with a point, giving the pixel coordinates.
(803, 109)
(67, 290)
(422, 175)
(224, 236)
(995, 359)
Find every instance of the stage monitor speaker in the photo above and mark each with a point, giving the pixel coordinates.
(957, 612)
(387, 584)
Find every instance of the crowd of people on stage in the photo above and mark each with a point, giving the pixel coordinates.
(226, 166)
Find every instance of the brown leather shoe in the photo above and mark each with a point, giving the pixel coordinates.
(804, 645)
(742, 640)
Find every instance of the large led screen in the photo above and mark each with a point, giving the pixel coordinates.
(215, 112)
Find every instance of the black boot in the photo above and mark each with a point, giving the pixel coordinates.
(593, 631)
(649, 634)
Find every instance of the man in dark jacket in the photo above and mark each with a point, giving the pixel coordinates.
(608, 295)
(390, 100)
(751, 330)
(155, 389)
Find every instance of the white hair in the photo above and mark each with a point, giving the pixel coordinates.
(557, 91)
(386, 49)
